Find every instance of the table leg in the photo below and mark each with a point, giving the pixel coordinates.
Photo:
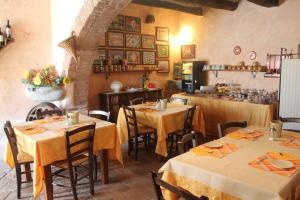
(104, 166)
(48, 183)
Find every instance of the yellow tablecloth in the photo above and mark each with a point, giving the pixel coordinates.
(49, 146)
(218, 111)
(165, 121)
(232, 177)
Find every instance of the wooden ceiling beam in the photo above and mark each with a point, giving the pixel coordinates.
(163, 4)
(266, 3)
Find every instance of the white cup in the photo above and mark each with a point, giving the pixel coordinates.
(72, 117)
(163, 103)
(275, 129)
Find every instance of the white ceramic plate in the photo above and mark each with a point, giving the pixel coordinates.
(246, 131)
(282, 164)
(213, 145)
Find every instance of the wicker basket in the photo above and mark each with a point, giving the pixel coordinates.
(69, 45)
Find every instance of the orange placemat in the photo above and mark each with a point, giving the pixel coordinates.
(31, 129)
(142, 109)
(292, 141)
(149, 103)
(49, 120)
(263, 163)
(215, 152)
(248, 136)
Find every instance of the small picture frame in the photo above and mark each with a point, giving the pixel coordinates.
(162, 34)
(162, 51)
(148, 58)
(118, 23)
(102, 54)
(133, 57)
(116, 55)
(102, 41)
(188, 51)
(133, 24)
(163, 66)
(148, 41)
(115, 39)
(133, 40)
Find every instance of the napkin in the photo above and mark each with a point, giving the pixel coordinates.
(293, 142)
(142, 109)
(31, 130)
(249, 136)
(215, 152)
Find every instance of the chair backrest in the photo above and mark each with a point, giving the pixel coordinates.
(32, 114)
(178, 100)
(80, 141)
(136, 101)
(100, 114)
(12, 140)
(188, 122)
(188, 141)
(46, 113)
(158, 183)
(223, 126)
(131, 121)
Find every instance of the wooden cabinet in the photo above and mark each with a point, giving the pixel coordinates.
(112, 101)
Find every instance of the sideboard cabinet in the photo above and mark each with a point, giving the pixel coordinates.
(113, 101)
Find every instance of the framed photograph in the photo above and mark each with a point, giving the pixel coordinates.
(133, 57)
(162, 51)
(148, 41)
(102, 41)
(148, 58)
(162, 34)
(163, 66)
(133, 24)
(188, 51)
(116, 55)
(101, 53)
(115, 39)
(118, 23)
(133, 40)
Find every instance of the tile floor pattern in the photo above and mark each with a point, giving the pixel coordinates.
(132, 182)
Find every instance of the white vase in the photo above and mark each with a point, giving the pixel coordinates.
(116, 86)
(46, 93)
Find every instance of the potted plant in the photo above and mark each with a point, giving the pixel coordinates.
(45, 84)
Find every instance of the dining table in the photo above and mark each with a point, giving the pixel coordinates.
(165, 121)
(45, 141)
(245, 164)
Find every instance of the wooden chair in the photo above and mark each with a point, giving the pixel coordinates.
(78, 152)
(136, 131)
(100, 114)
(180, 192)
(223, 126)
(136, 101)
(20, 159)
(187, 128)
(189, 141)
(178, 100)
(32, 114)
(47, 113)
(290, 120)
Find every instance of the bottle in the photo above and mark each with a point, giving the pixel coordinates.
(1, 39)
(8, 30)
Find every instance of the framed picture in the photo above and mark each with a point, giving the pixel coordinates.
(133, 57)
(102, 41)
(101, 53)
(148, 41)
(162, 51)
(148, 58)
(162, 34)
(163, 66)
(133, 40)
(115, 39)
(133, 24)
(118, 23)
(116, 55)
(188, 51)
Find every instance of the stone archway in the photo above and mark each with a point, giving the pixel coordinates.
(93, 20)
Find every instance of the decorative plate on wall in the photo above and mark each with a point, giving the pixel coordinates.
(237, 50)
(252, 55)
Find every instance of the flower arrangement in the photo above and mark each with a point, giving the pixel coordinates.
(45, 77)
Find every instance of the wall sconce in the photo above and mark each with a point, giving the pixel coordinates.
(150, 19)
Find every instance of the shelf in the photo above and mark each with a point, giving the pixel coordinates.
(126, 71)
(234, 70)
(8, 43)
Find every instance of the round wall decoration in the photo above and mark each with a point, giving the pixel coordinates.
(237, 50)
(252, 55)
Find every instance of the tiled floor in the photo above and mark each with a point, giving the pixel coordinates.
(129, 182)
